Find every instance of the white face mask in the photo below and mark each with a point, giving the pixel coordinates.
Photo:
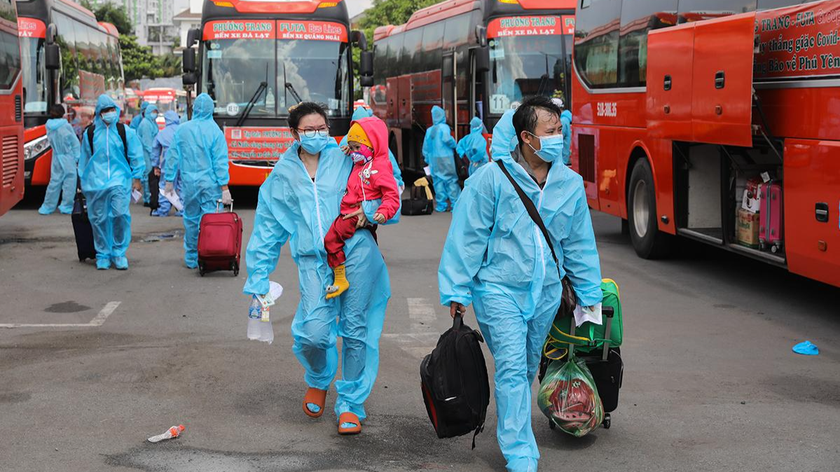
(551, 147)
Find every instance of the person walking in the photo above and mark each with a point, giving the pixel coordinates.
(566, 121)
(65, 154)
(135, 122)
(106, 168)
(439, 153)
(159, 149)
(297, 203)
(473, 146)
(497, 259)
(199, 155)
(147, 131)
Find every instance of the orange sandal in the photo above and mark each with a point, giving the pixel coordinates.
(348, 418)
(315, 397)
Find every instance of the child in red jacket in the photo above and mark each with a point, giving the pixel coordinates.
(371, 186)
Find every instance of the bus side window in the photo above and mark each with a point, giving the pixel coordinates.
(697, 10)
(637, 18)
(596, 43)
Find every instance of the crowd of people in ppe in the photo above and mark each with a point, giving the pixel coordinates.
(327, 199)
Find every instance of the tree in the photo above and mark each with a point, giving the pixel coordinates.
(109, 13)
(138, 61)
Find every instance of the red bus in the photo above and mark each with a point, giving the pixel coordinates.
(67, 57)
(165, 99)
(479, 56)
(11, 102)
(714, 120)
(258, 58)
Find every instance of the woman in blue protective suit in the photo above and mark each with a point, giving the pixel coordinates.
(106, 178)
(473, 146)
(147, 131)
(199, 155)
(497, 259)
(438, 151)
(162, 142)
(135, 122)
(65, 147)
(297, 204)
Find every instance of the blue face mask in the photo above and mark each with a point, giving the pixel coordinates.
(315, 144)
(551, 147)
(110, 117)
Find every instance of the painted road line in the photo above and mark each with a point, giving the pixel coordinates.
(422, 314)
(97, 320)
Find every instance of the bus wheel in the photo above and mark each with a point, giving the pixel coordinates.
(648, 241)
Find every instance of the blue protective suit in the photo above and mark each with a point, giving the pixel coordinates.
(497, 259)
(135, 122)
(65, 154)
(293, 208)
(360, 113)
(473, 146)
(161, 145)
(106, 182)
(438, 151)
(199, 153)
(147, 132)
(566, 122)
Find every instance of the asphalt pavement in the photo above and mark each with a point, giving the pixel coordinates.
(94, 362)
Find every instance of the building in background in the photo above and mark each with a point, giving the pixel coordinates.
(153, 20)
(187, 19)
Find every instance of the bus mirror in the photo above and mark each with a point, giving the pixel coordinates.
(189, 60)
(359, 38)
(193, 36)
(366, 81)
(481, 35)
(366, 64)
(482, 59)
(52, 57)
(189, 79)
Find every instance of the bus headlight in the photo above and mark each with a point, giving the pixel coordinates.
(35, 148)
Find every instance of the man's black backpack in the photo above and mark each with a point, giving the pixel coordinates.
(120, 130)
(454, 381)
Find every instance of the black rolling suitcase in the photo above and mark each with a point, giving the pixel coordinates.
(154, 191)
(82, 227)
(606, 366)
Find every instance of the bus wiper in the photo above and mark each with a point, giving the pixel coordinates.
(291, 89)
(250, 106)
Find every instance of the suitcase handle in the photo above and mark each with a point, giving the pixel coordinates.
(609, 312)
(220, 205)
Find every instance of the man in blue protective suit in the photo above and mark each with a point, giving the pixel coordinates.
(438, 151)
(106, 174)
(135, 122)
(473, 146)
(199, 154)
(65, 154)
(497, 259)
(162, 142)
(297, 204)
(358, 114)
(147, 132)
(566, 121)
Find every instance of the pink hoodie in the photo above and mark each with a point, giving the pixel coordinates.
(375, 179)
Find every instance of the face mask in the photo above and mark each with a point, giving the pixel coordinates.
(364, 154)
(551, 147)
(110, 117)
(315, 144)
(154, 116)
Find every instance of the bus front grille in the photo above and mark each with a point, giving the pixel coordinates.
(11, 160)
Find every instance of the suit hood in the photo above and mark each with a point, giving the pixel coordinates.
(377, 133)
(143, 107)
(504, 137)
(361, 112)
(55, 123)
(438, 115)
(203, 108)
(103, 102)
(148, 113)
(476, 126)
(172, 118)
(567, 114)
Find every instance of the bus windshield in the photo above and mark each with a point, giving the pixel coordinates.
(527, 65)
(295, 70)
(34, 75)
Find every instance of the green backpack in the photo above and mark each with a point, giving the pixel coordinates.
(588, 337)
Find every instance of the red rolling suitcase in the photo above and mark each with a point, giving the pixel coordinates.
(771, 218)
(219, 241)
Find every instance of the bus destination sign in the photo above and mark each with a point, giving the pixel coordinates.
(530, 26)
(311, 30)
(239, 29)
(798, 42)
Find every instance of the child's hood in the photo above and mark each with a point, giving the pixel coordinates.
(377, 133)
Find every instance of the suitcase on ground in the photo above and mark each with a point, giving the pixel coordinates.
(605, 364)
(771, 220)
(421, 201)
(82, 228)
(154, 191)
(219, 241)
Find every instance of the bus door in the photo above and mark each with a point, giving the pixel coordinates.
(449, 91)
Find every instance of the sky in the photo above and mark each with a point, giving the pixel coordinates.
(354, 7)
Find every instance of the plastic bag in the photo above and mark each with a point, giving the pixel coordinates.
(568, 397)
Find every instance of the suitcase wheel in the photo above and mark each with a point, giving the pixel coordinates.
(235, 268)
(201, 269)
(607, 421)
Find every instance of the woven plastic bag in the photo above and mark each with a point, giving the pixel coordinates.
(568, 397)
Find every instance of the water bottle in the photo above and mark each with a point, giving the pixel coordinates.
(266, 329)
(254, 323)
